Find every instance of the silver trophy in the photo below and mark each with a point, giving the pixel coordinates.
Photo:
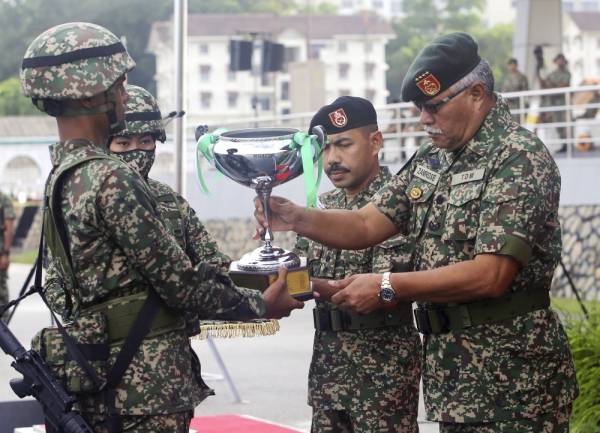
(263, 158)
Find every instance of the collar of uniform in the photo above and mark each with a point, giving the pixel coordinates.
(58, 151)
(498, 119)
(376, 184)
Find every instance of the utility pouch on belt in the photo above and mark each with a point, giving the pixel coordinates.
(90, 335)
(337, 320)
(443, 319)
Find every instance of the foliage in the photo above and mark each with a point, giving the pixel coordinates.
(12, 102)
(584, 337)
(426, 19)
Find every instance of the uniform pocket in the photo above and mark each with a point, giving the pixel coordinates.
(419, 194)
(393, 255)
(462, 214)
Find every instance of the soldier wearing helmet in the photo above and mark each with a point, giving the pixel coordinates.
(125, 283)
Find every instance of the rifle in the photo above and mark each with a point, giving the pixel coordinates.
(39, 383)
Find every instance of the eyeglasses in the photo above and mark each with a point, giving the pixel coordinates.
(434, 108)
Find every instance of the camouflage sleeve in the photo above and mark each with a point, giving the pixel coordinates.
(516, 205)
(55, 290)
(9, 210)
(200, 245)
(127, 211)
(391, 200)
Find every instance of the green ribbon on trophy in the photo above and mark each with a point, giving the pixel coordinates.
(204, 147)
(305, 142)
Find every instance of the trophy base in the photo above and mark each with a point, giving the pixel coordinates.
(298, 279)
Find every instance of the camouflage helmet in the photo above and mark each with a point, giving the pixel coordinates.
(143, 114)
(73, 61)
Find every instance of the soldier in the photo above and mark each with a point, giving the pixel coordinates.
(129, 282)
(514, 81)
(365, 369)
(7, 219)
(481, 200)
(560, 77)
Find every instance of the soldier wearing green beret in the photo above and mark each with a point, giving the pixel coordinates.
(481, 199)
(128, 284)
(365, 369)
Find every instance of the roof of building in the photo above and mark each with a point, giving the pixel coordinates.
(27, 126)
(586, 21)
(315, 26)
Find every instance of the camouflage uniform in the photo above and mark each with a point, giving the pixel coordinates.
(118, 243)
(7, 212)
(514, 82)
(498, 194)
(366, 379)
(556, 78)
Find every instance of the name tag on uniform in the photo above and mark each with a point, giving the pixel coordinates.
(468, 176)
(427, 174)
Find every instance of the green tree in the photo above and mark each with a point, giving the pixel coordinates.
(426, 19)
(12, 102)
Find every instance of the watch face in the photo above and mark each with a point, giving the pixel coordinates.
(387, 294)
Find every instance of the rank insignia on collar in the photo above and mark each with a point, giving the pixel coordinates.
(415, 193)
(338, 118)
(428, 84)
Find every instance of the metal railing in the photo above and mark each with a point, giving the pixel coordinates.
(566, 119)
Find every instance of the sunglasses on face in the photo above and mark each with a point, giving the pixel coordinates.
(433, 108)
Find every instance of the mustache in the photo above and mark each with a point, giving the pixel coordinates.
(337, 167)
(431, 130)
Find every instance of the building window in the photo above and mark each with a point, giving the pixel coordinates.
(344, 92)
(285, 111)
(203, 48)
(205, 100)
(369, 70)
(285, 90)
(205, 72)
(377, 4)
(342, 46)
(368, 47)
(343, 69)
(370, 94)
(264, 103)
(314, 52)
(232, 99)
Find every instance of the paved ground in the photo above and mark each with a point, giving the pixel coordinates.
(269, 372)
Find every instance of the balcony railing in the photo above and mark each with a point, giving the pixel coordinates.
(566, 119)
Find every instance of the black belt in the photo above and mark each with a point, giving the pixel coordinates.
(440, 320)
(338, 320)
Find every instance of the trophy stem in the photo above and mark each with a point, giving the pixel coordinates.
(265, 194)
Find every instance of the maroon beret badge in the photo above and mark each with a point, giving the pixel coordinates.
(338, 118)
(428, 84)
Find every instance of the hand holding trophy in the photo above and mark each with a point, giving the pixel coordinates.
(263, 158)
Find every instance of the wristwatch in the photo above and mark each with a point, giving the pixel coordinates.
(386, 291)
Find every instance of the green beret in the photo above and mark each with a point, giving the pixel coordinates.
(346, 112)
(439, 65)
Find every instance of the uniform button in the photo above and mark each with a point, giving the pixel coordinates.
(440, 199)
(434, 226)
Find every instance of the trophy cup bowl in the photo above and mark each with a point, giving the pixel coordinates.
(262, 158)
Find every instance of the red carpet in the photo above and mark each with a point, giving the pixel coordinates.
(236, 424)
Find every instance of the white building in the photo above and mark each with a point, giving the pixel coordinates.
(348, 53)
(581, 45)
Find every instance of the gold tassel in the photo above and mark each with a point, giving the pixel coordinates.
(226, 329)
